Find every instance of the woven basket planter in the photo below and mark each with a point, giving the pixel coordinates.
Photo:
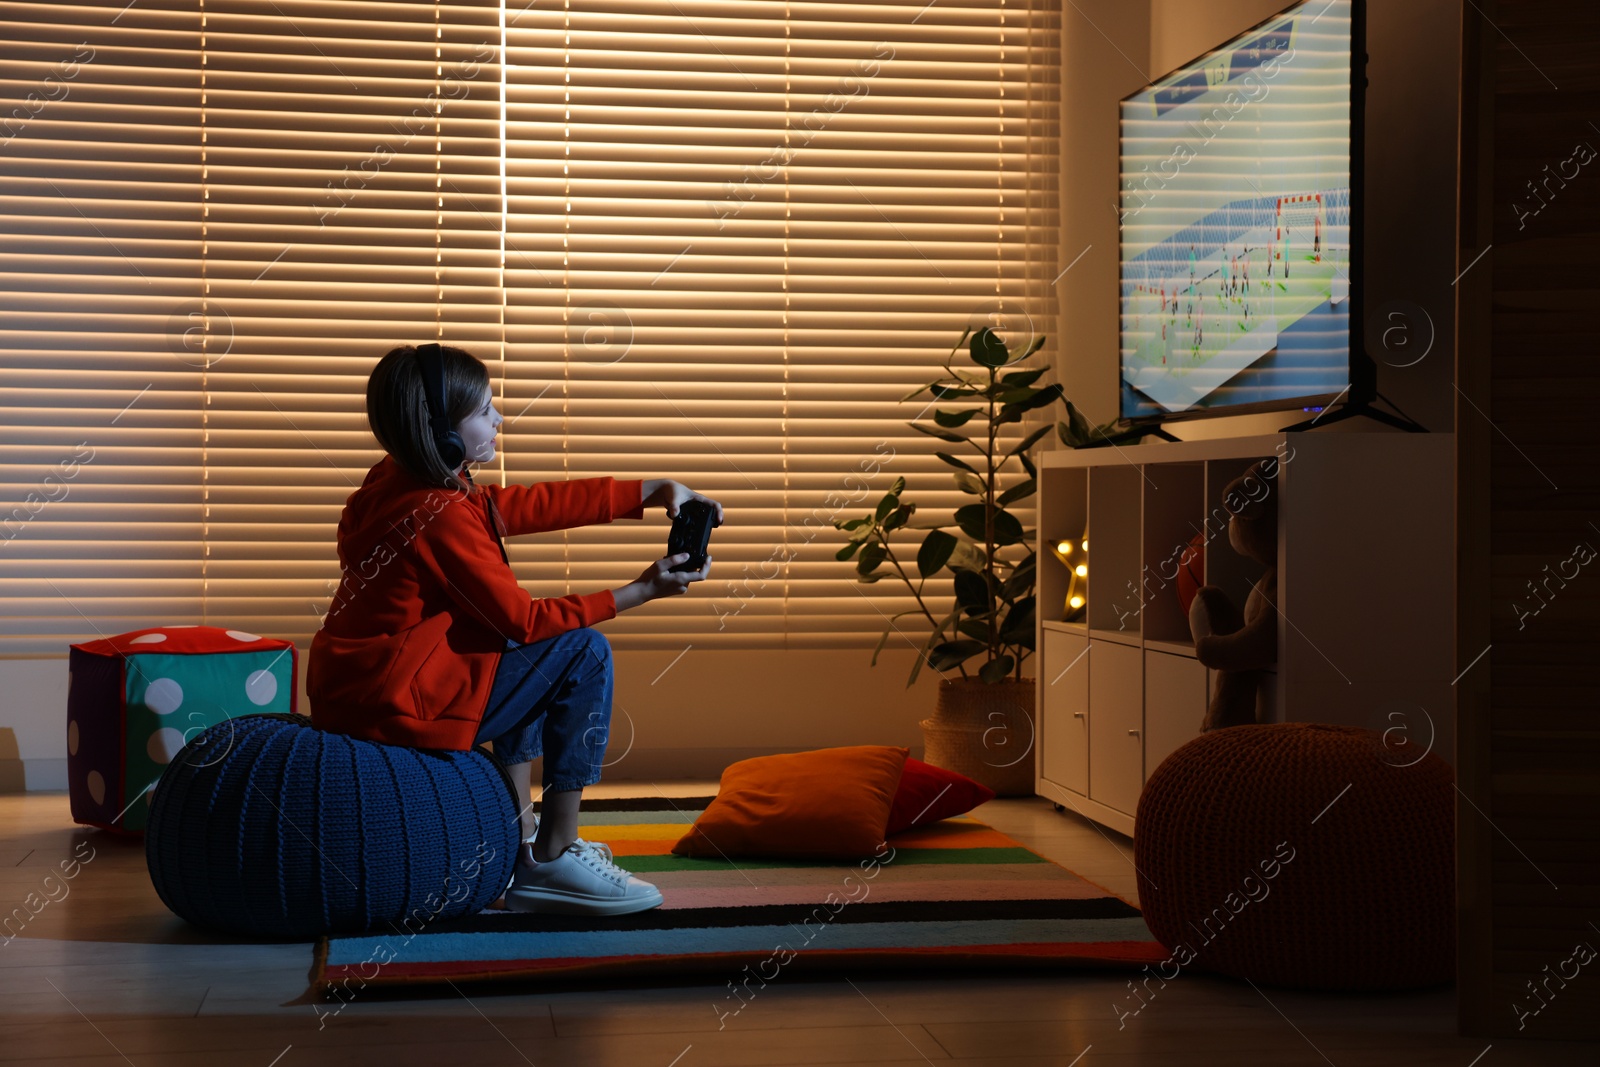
(264, 825)
(985, 732)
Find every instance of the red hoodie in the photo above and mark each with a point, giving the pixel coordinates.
(408, 650)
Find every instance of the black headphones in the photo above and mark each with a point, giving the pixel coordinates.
(430, 364)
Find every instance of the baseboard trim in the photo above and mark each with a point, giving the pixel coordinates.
(33, 775)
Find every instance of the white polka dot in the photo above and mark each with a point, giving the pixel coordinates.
(241, 635)
(97, 787)
(163, 696)
(261, 687)
(148, 639)
(72, 737)
(164, 744)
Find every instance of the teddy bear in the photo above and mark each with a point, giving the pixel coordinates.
(1240, 646)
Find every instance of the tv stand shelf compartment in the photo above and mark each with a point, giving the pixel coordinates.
(1365, 579)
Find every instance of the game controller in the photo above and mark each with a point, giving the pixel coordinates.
(691, 533)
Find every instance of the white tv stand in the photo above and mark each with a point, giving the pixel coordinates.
(1365, 594)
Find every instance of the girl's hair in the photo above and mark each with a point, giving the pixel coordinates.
(397, 410)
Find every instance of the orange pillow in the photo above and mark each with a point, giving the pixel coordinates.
(829, 803)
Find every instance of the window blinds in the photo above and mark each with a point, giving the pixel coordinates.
(715, 242)
(101, 503)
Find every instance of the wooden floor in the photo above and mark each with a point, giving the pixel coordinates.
(104, 974)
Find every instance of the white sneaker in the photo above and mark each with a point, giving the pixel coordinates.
(527, 843)
(580, 881)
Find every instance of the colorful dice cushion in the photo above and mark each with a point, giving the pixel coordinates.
(266, 826)
(133, 701)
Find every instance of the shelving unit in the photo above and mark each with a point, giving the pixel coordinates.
(1364, 595)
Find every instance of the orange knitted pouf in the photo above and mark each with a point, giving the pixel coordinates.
(1301, 855)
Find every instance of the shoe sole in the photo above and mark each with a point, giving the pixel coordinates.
(555, 902)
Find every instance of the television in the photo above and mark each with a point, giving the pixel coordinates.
(1240, 222)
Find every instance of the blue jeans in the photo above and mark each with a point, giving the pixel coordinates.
(553, 698)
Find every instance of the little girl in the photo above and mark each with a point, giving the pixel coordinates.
(430, 642)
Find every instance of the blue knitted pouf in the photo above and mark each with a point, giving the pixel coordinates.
(266, 826)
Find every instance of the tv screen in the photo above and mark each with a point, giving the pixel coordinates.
(1236, 223)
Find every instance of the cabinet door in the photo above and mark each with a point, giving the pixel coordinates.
(1174, 705)
(1064, 725)
(1116, 724)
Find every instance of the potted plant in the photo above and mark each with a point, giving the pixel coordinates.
(983, 726)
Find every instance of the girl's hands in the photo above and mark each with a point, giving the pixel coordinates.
(659, 581)
(673, 495)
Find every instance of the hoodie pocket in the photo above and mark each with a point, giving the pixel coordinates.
(439, 678)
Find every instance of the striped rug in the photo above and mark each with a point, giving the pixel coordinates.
(955, 894)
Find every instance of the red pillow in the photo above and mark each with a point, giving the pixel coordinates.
(828, 803)
(928, 794)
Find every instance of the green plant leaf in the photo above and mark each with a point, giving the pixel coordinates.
(872, 555)
(1007, 528)
(1022, 579)
(898, 517)
(953, 653)
(977, 629)
(1055, 392)
(971, 518)
(988, 350)
(934, 553)
(853, 524)
(959, 342)
(1081, 424)
(899, 486)
(995, 670)
(1018, 619)
(889, 502)
(958, 463)
(847, 551)
(1028, 442)
(944, 624)
(1027, 464)
(1018, 492)
(885, 638)
(934, 431)
(953, 392)
(953, 419)
(967, 557)
(933, 639)
(1036, 398)
(1016, 394)
(972, 592)
(1023, 377)
(970, 483)
(1038, 343)
(1077, 433)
